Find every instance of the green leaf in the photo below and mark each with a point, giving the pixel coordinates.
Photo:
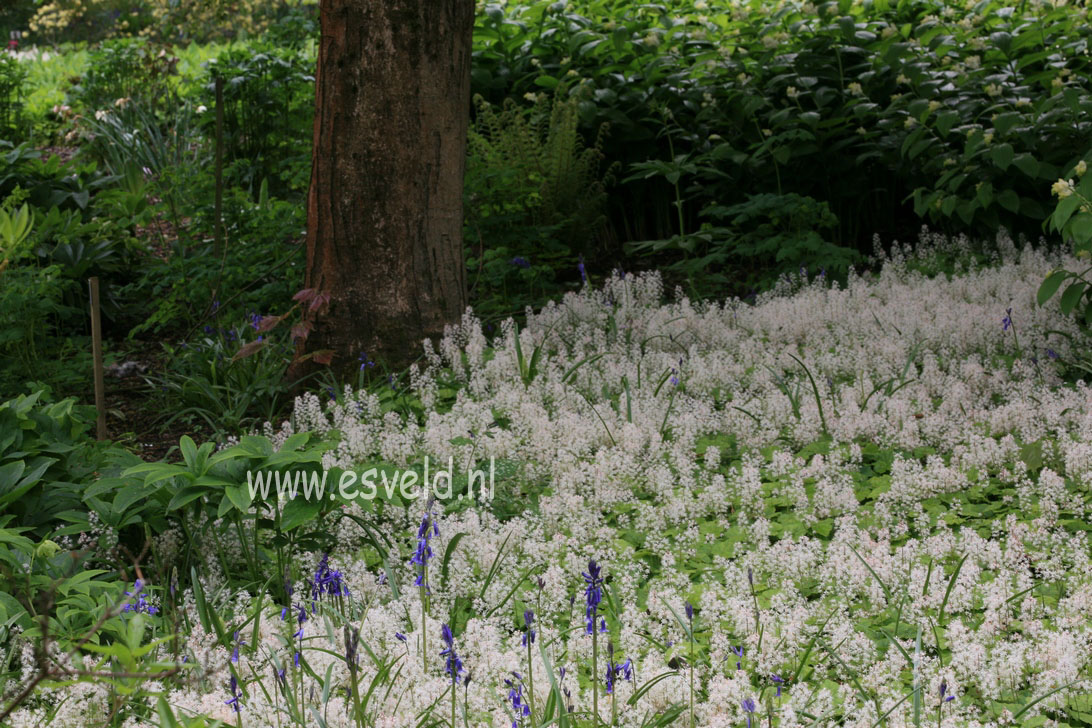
(9, 474)
(1009, 200)
(946, 120)
(189, 451)
(1026, 164)
(1080, 228)
(1065, 209)
(239, 495)
(1071, 296)
(451, 545)
(1004, 122)
(186, 495)
(166, 715)
(1002, 155)
(985, 194)
(297, 512)
(1050, 286)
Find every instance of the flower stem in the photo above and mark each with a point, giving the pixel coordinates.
(424, 650)
(530, 679)
(595, 674)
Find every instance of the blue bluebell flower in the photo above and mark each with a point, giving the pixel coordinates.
(615, 671)
(327, 581)
(452, 664)
(141, 604)
(529, 632)
(593, 594)
(1006, 323)
(583, 272)
(233, 688)
(520, 708)
(520, 262)
(749, 708)
(423, 553)
(352, 642)
(301, 617)
(235, 652)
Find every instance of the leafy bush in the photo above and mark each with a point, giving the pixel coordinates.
(268, 94)
(135, 137)
(207, 383)
(46, 456)
(962, 110)
(1072, 217)
(49, 183)
(259, 270)
(32, 306)
(534, 195)
(759, 240)
(13, 77)
(201, 20)
(120, 72)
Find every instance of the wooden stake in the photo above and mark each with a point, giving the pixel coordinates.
(96, 353)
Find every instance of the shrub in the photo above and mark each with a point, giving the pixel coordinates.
(206, 383)
(1072, 217)
(757, 242)
(534, 195)
(888, 112)
(13, 123)
(268, 95)
(127, 71)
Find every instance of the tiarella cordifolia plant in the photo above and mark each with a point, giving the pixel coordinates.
(931, 535)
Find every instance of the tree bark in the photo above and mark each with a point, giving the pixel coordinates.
(385, 208)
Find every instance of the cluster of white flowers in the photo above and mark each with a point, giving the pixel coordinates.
(675, 445)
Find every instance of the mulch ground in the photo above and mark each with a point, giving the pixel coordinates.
(134, 416)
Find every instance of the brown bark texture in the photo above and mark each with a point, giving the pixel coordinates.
(385, 208)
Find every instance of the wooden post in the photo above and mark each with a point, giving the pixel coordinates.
(218, 214)
(96, 353)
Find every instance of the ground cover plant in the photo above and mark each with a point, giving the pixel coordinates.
(860, 505)
(709, 447)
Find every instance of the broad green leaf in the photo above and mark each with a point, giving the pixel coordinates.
(1050, 286)
(1002, 155)
(1026, 164)
(1071, 296)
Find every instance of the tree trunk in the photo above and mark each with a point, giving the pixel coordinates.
(385, 208)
